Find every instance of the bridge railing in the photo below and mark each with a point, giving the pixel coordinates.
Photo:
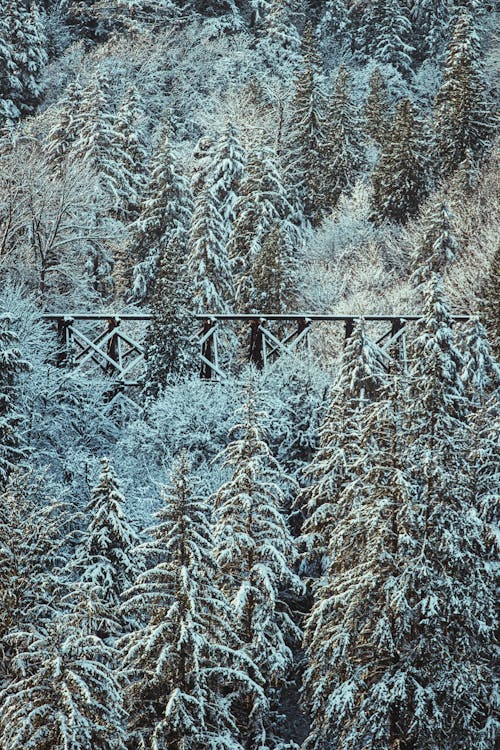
(115, 344)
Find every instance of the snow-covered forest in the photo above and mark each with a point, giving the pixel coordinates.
(298, 556)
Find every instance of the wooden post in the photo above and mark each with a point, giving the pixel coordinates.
(349, 327)
(63, 358)
(256, 344)
(113, 348)
(207, 352)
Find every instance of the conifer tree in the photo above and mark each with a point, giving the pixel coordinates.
(165, 214)
(10, 84)
(273, 273)
(386, 33)
(208, 263)
(227, 172)
(481, 372)
(201, 167)
(188, 672)
(280, 38)
(345, 149)
(489, 301)
(438, 245)
(105, 558)
(261, 205)
(64, 695)
(334, 27)
(400, 179)
(378, 109)
(360, 380)
(306, 136)
(130, 128)
(101, 147)
(430, 20)
(256, 554)
(12, 364)
(463, 121)
(170, 343)
(66, 127)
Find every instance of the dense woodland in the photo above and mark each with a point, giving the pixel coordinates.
(298, 557)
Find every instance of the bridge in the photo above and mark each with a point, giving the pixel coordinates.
(114, 345)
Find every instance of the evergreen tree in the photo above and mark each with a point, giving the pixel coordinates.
(262, 204)
(378, 109)
(489, 301)
(138, 16)
(345, 150)
(256, 554)
(105, 558)
(481, 372)
(101, 147)
(273, 273)
(131, 132)
(188, 672)
(280, 39)
(360, 380)
(437, 246)
(306, 135)
(10, 83)
(12, 365)
(208, 263)
(170, 343)
(201, 166)
(165, 215)
(463, 121)
(64, 695)
(386, 33)
(400, 180)
(65, 130)
(430, 20)
(334, 27)
(227, 172)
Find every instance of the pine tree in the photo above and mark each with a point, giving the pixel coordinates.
(481, 372)
(334, 28)
(386, 33)
(438, 245)
(345, 149)
(12, 364)
(228, 168)
(101, 147)
(131, 131)
(64, 695)
(378, 109)
(65, 130)
(105, 558)
(165, 214)
(10, 84)
(201, 166)
(463, 121)
(400, 180)
(256, 554)
(262, 204)
(306, 136)
(430, 19)
(273, 273)
(208, 263)
(138, 16)
(361, 379)
(170, 343)
(280, 39)
(489, 301)
(188, 672)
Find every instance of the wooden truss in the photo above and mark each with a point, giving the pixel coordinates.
(114, 344)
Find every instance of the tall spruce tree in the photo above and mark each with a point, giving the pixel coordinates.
(170, 343)
(386, 33)
(334, 28)
(256, 555)
(378, 109)
(227, 172)
(489, 301)
(463, 120)
(262, 204)
(345, 150)
(400, 179)
(430, 19)
(273, 273)
(437, 246)
(131, 131)
(208, 263)
(188, 674)
(65, 129)
(165, 214)
(105, 558)
(305, 137)
(12, 364)
(360, 380)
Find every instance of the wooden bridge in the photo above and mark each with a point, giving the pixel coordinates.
(114, 344)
